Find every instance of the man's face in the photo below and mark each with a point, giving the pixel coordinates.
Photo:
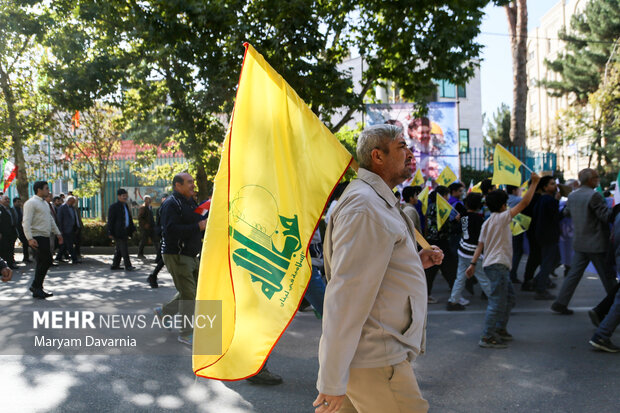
(48, 197)
(398, 161)
(147, 201)
(187, 187)
(458, 194)
(423, 133)
(551, 188)
(45, 193)
(4, 200)
(58, 202)
(123, 198)
(71, 202)
(17, 203)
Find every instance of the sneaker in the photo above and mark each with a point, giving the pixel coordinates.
(432, 300)
(561, 309)
(594, 317)
(491, 342)
(463, 301)
(265, 377)
(189, 339)
(545, 295)
(159, 313)
(604, 344)
(454, 306)
(504, 334)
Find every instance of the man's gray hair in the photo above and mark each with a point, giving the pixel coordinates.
(375, 137)
(585, 175)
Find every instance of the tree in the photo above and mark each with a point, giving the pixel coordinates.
(516, 10)
(91, 147)
(173, 66)
(24, 111)
(497, 129)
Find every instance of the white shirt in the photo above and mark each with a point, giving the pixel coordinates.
(38, 220)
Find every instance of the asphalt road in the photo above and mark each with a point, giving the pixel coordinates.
(549, 367)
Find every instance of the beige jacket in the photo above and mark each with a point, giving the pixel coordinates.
(375, 301)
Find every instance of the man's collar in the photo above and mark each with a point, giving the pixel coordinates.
(379, 185)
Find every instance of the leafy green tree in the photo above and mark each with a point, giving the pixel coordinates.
(497, 128)
(25, 112)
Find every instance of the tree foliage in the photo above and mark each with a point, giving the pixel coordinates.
(497, 128)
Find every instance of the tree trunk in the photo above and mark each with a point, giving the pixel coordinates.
(102, 185)
(204, 186)
(18, 151)
(517, 24)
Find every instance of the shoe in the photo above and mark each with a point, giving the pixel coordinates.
(561, 309)
(604, 344)
(516, 281)
(463, 301)
(141, 257)
(545, 295)
(45, 293)
(159, 313)
(152, 281)
(61, 260)
(189, 339)
(265, 377)
(305, 306)
(454, 306)
(54, 264)
(504, 334)
(432, 300)
(594, 317)
(130, 268)
(491, 342)
(527, 286)
(115, 267)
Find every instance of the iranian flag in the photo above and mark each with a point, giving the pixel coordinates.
(9, 172)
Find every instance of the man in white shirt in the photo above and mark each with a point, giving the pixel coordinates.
(38, 225)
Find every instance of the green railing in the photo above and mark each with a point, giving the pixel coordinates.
(481, 159)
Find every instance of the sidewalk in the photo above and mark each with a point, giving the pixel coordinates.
(550, 366)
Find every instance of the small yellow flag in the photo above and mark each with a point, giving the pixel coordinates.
(523, 220)
(423, 197)
(443, 211)
(525, 186)
(278, 167)
(515, 228)
(476, 188)
(446, 177)
(505, 167)
(418, 179)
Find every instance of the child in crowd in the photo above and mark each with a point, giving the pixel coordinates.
(471, 222)
(496, 242)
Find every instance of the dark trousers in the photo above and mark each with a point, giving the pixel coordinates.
(67, 247)
(159, 260)
(517, 253)
(43, 256)
(550, 254)
(603, 307)
(534, 259)
(578, 265)
(7, 248)
(448, 266)
(26, 248)
(77, 243)
(121, 251)
(145, 234)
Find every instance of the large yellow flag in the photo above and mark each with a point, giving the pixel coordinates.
(523, 220)
(443, 211)
(446, 177)
(417, 178)
(423, 197)
(277, 170)
(505, 167)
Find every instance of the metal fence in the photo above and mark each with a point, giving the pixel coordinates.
(481, 159)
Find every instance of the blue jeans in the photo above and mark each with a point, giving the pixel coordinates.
(550, 255)
(578, 266)
(316, 290)
(501, 299)
(459, 283)
(611, 320)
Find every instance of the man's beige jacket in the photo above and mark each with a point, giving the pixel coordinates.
(376, 299)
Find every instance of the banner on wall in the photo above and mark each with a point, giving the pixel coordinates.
(432, 139)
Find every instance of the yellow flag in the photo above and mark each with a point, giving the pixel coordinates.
(525, 186)
(476, 188)
(446, 177)
(523, 220)
(505, 167)
(418, 179)
(443, 211)
(277, 170)
(423, 197)
(515, 228)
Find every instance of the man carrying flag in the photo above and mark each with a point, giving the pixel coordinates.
(371, 259)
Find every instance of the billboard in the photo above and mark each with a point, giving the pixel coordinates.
(434, 139)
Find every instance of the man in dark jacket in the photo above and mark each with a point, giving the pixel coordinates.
(8, 231)
(181, 243)
(547, 234)
(120, 228)
(591, 217)
(159, 260)
(17, 205)
(67, 223)
(146, 224)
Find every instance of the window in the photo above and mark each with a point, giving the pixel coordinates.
(446, 89)
(463, 140)
(461, 92)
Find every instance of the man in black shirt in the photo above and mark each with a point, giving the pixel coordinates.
(120, 228)
(547, 233)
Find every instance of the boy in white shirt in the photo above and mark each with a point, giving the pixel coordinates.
(496, 242)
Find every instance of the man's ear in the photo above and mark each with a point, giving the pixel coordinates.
(377, 155)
